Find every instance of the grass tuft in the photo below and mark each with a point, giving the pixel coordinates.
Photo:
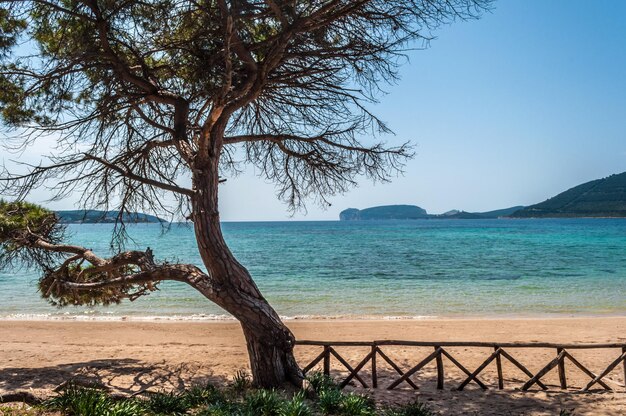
(81, 401)
(202, 395)
(241, 382)
(296, 406)
(225, 408)
(169, 403)
(263, 403)
(85, 401)
(128, 407)
(356, 405)
(18, 411)
(329, 401)
(207, 400)
(320, 382)
(411, 409)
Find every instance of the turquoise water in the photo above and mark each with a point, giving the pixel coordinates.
(390, 268)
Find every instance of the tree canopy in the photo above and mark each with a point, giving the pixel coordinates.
(137, 92)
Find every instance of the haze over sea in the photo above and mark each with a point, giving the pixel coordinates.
(413, 268)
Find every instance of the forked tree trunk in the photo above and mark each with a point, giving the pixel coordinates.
(270, 343)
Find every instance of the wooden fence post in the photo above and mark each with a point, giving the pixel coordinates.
(499, 367)
(440, 374)
(327, 360)
(624, 364)
(561, 366)
(374, 373)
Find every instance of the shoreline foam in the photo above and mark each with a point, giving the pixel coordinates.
(208, 318)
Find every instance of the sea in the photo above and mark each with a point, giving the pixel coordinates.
(411, 269)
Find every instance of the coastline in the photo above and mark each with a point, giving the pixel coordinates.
(211, 318)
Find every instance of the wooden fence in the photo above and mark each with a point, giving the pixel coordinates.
(439, 352)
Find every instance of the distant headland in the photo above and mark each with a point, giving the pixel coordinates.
(91, 216)
(413, 212)
(601, 198)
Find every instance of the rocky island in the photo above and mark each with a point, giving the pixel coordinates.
(387, 212)
(413, 212)
(92, 216)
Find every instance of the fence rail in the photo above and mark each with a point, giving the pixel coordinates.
(439, 353)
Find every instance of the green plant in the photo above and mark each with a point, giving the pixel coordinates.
(207, 400)
(296, 406)
(12, 411)
(166, 404)
(329, 401)
(565, 412)
(321, 382)
(356, 405)
(201, 395)
(241, 381)
(411, 409)
(128, 407)
(222, 408)
(263, 403)
(82, 401)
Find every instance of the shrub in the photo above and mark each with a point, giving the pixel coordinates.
(223, 408)
(329, 401)
(166, 404)
(412, 409)
(207, 400)
(321, 382)
(241, 382)
(356, 405)
(82, 401)
(263, 403)
(128, 407)
(199, 395)
(296, 406)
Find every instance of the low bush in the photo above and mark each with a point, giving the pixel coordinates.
(296, 406)
(412, 409)
(84, 401)
(240, 399)
(263, 403)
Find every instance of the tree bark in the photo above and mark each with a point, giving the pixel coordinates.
(270, 343)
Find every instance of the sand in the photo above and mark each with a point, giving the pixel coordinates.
(128, 357)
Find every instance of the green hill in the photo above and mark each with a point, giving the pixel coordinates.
(91, 216)
(600, 198)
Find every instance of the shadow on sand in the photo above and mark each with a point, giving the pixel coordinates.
(129, 376)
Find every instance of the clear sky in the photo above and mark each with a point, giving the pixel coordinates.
(507, 110)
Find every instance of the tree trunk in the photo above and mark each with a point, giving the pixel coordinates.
(270, 343)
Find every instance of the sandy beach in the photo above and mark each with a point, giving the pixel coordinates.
(132, 356)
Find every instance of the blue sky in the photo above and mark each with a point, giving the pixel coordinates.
(507, 110)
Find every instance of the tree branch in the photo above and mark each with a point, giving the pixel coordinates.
(278, 138)
(127, 174)
(173, 272)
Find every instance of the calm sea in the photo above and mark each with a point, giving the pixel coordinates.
(418, 268)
